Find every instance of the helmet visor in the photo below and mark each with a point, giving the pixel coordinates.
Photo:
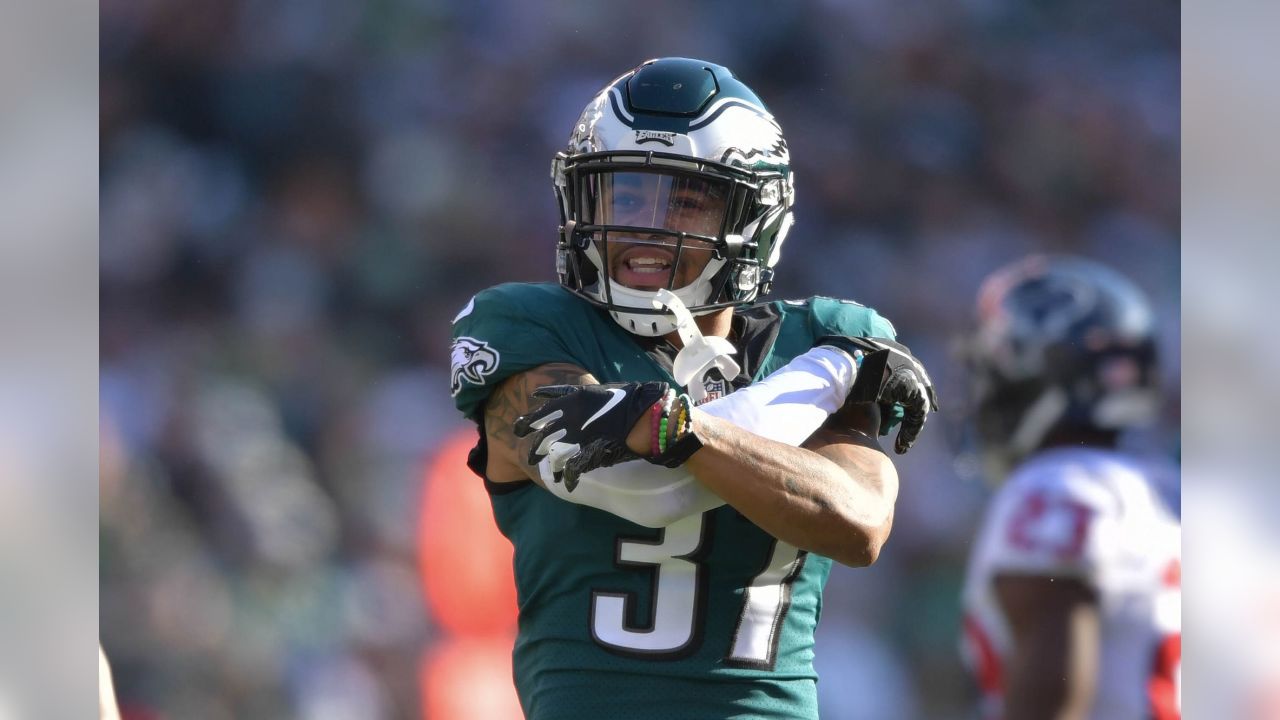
(654, 230)
(665, 202)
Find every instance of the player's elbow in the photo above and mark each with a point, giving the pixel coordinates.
(876, 538)
(865, 526)
(859, 506)
(862, 542)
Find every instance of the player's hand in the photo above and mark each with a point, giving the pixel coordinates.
(888, 374)
(584, 427)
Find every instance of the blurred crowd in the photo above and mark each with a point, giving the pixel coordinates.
(297, 197)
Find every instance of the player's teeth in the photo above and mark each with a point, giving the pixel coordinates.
(647, 264)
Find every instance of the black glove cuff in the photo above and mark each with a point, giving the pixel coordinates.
(678, 453)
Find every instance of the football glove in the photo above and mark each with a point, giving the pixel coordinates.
(888, 374)
(584, 427)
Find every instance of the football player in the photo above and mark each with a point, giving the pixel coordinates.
(677, 463)
(1072, 599)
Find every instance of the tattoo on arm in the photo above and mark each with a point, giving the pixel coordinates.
(511, 399)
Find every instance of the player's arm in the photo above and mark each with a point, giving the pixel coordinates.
(787, 406)
(803, 497)
(507, 454)
(642, 493)
(1053, 669)
(833, 496)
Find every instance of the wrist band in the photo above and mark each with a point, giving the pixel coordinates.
(662, 436)
(683, 442)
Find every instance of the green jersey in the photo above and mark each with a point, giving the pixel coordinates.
(710, 617)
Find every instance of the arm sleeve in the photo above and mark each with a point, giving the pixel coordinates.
(787, 406)
(829, 316)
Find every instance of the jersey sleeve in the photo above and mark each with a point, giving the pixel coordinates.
(1053, 523)
(829, 316)
(495, 336)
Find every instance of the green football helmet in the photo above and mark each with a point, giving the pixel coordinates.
(676, 176)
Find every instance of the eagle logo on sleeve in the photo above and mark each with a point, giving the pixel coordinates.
(471, 360)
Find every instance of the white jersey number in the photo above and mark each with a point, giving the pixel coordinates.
(677, 602)
(755, 642)
(675, 593)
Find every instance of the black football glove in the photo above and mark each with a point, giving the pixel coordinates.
(888, 374)
(584, 427)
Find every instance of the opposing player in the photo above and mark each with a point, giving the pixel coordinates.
(1072, 600)
(674, 527)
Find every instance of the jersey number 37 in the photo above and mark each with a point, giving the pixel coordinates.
(679, 599)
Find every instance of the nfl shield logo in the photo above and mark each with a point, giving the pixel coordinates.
(716, 388)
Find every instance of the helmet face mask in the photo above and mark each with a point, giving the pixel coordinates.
(651, 229)
(1062, 344)
(675, 177)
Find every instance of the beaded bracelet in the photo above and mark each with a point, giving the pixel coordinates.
(655, 413)
(678, 420)
(685, 418)
(660, 423)
(677, 423)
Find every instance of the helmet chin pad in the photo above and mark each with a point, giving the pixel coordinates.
(633, 309)
(653, 323)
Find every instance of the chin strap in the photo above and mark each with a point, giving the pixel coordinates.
(699, 354)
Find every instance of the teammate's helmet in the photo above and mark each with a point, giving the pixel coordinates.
(676, 176)
(1061, 342)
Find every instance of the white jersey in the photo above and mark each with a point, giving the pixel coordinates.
(1109, 520)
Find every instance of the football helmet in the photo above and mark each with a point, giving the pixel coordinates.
(676, 176)
(1061, 343)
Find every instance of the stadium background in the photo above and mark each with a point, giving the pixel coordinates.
(296, 197)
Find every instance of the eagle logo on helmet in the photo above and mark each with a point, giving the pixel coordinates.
(471, 360)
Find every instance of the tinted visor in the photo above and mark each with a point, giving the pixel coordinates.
(670, 203)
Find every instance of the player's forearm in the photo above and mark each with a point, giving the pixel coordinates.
(507, 454)
(836, 502)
